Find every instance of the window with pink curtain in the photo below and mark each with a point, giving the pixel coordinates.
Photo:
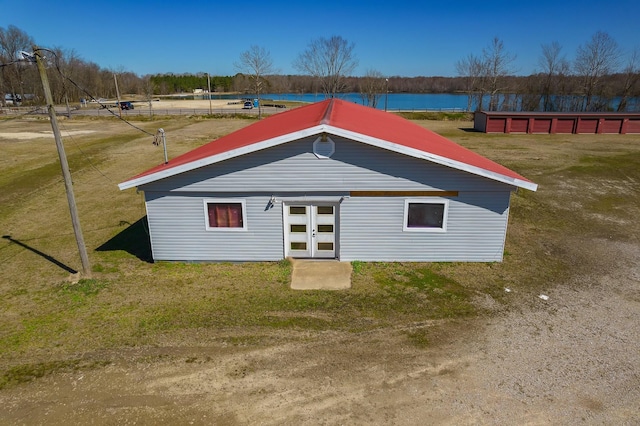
(225, 215)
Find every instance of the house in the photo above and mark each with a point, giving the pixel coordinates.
(329, 180)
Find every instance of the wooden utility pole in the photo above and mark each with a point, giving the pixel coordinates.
(117, 94)
(209, 91)
(86, 267)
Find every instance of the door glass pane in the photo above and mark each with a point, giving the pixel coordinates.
(298, 246)
(325, 228)
(298, 228)
(325, 209)
(325, 246)
(297, 210)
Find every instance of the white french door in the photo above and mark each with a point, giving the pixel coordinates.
(310, 230)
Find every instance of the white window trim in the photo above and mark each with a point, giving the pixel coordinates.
(207, 201)
(445, 214)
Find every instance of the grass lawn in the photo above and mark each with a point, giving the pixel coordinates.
(588, 190)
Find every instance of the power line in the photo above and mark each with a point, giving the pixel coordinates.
(103, 105)
(30, 58)
(82, 89)
(19, 116)
(14, 62)
(85, 156)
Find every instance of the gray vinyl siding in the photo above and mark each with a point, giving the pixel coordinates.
(177, 228)
(354, 166)
(369, 228)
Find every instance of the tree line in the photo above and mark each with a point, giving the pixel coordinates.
(71, 78)
(600, 77)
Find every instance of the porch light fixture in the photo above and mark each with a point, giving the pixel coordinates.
(271, 203)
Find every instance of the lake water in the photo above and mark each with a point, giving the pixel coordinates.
(395, 101)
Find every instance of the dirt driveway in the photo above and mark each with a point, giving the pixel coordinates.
(573, 358)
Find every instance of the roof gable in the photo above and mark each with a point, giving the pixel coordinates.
(340, 118)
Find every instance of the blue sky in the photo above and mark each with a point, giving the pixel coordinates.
(401, 38)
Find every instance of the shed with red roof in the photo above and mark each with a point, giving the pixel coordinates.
(329, 180)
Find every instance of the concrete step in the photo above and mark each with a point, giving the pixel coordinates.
(315, 274)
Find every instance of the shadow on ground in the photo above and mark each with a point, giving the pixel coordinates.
(39, 253)
(134, 240)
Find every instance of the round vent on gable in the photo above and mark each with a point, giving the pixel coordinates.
(324, 147)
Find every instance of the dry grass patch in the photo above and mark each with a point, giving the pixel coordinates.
(588, 192)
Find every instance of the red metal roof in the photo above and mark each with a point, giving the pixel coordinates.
(335, 116)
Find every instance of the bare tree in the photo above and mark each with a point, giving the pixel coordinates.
(65, 64)
(594, 60)
(257, 63)
(330, 61)
(148, 88)
(497, 64)
(631, 76)
(566, 88)
(471, 69)
(528, 93)
(372, 86)
(12, 41)
(552, 65)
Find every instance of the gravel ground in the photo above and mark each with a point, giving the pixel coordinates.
(571, 359)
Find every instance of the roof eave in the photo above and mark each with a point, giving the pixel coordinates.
(381, 143)
(337, 131)
(206, 161)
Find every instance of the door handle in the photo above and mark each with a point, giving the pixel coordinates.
(313, 233)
